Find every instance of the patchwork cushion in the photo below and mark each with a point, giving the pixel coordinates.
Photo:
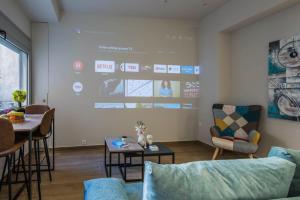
(236, 121)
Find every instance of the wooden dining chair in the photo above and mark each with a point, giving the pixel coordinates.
(36, 109)
(8, 147)
(42, 134)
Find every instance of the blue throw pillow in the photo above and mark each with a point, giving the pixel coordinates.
(105, 189)
(293, 156)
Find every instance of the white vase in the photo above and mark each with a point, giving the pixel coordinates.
(141, 139)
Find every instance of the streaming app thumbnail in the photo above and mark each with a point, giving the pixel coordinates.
(139, 88)
(187, 106)
(187, 69)
(109, 105)
(158, 68)
(174, 69)
(197, 70)
(166, 88)
(167, 105)
(112, 87)
(138, 105)
(146, 68)
(191, 89)
(129, 67)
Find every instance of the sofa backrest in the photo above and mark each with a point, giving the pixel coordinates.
(265, 178)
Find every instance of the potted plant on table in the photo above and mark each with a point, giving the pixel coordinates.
(19, 96)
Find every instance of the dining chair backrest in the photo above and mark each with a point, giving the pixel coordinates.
(7, 135)
(46, 122)
(36, 109)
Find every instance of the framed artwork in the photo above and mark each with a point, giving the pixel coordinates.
(284, 79)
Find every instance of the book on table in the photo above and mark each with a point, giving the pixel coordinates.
(153, 148)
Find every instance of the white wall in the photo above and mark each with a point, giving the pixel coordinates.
(216, 60)
(249, 72)
(14, 12)
(40, 62)
(76, 118)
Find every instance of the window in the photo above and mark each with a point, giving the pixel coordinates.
(13, 73)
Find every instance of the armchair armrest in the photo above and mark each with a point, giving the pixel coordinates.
(215, 131)
(254, 137)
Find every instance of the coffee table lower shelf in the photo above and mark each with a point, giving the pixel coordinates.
(123, 166)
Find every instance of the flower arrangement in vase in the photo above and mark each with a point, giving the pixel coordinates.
(141, 129)
(19, 96)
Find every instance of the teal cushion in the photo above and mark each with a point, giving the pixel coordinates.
(293, 156)
(105, 189)
(265, 178)
(295, 186)
(281, 153)
(134, 191)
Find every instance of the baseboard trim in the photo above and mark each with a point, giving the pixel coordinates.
(102, 146)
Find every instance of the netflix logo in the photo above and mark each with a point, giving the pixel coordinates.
(105, 66)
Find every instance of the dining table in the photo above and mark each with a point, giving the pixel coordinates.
(26, 128)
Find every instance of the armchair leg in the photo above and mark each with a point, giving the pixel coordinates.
(221, 152)
(216, 153)
(251, 156)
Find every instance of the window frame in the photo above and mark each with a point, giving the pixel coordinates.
(23, 62)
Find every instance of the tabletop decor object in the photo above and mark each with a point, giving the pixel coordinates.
(141, 129)
(149, 139)
(16, 117)
(19, 96)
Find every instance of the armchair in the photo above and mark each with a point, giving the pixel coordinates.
(235, 129)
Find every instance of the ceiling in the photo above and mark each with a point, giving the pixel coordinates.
(179, 9)
(42, 11)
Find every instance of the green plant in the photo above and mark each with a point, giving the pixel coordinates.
(19, 96)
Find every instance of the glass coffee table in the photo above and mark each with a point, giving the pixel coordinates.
(134, 150)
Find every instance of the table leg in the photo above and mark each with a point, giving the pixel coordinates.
(173, 158)
(125, 171)
(142, 166)
(158, 159)
(53, 145)
(109, 164)
(119, 159)
(38, 169)
(105, 164)
(29, 165)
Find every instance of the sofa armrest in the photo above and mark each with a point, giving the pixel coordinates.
(215, 131)
(254, 137)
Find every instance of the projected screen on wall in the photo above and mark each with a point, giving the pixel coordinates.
(125, 68)
(128, 86)
(138, 88)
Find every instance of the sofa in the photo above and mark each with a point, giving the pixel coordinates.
(274, 177)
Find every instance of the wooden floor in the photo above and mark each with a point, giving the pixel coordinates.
(73, 166)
